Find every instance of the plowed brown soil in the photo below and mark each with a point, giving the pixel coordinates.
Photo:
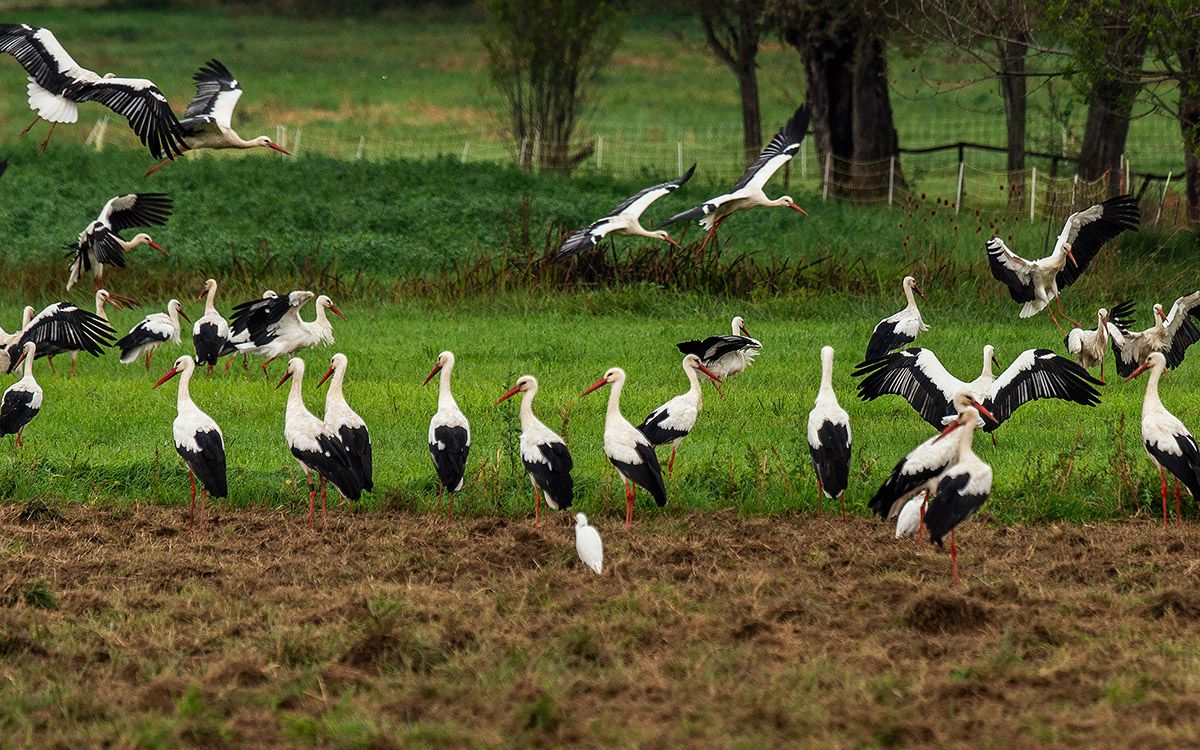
(119, 628)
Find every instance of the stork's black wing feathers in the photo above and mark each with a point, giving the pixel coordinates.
(831, 461)
(1117, 215)
(63, 327)
(885, 338)
(654, 431)
(146, 210)
(715, 347)
(647, 474)
(16, 411)
(357, 442)
(1037, 374)
(1122, 315)
(212, 79)
(209, 463)
(18, 40)
(554, 477)
(950, 506)
(786, 141)
(146, 108)
(669, 186)
(451, 461)
(901, 374)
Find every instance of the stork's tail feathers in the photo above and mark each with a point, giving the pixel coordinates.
(1032, 308)
(51, 107)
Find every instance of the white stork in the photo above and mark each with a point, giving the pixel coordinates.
(100, 243)
(961, 490)
(239, 336)
(276, 328)
(198, 440)
(543, 452)
(829, 438)
(674, 420)
(1171, 334)
(23, 399)
(726, 355)
(449, 435)
(57, 84)
(901, 329)
(920, 470)
(1036, 282)
(624, 220)
(917, 376)
(343, 422)
(628, 449)
(588, 544)
(1090, 347)
(313, 446)
(207, 121)
(155, 330)
(60, 327)
(1171, 447)
(747, 192)
(103, 298)
(210, 333)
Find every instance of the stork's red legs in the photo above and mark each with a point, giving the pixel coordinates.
(20, 442)
(819, 492)
(630, 493)
(30, 126)
(1058, 301)
(953, 560)
(1056, 325)
(1163, 476)
(149, 354)
(671, 462)
(537, 507)
(192, 508)
(42, 147)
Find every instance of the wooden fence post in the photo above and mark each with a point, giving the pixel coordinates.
(891, 177)
(1032, 194)
(825, 182)
(959, 191)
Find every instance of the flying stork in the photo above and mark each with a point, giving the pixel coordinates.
(57, 84)
(313, 446)
(588, 544)
(726, 355)
(198, 440)
(900, 329)
(624, 220)
(829, 438)
(23, 399)
(1171, 334)
(919, 471)
(961, 490)
(345, 424)
(628, 449)
(1171, 447)
(60, 327)
(674, 420)
(155, 330)
(210, 333)
(101, 244)
(449, 435)
(917, 376)
(747, 192)
(206, 123)
(1090, 347)
(543, 452)
(1037, 282)
(276, 329)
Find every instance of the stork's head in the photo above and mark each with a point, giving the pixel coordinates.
(324, 303)
(963, 400)
(103, 296)
(29, 351)
(141, 238)
(209, 286)
(1102, 317)
(580, 520)
(787, 200)
(524, 384)
(1159, 313)
(175, 306)
(1070, 256)
(693, 361)
(336, 362)
(662, 234)
(266, 142)
(989, 357)
(444, 360)
(295, 368)
(739, 327)
(270, 294)
(614, 375)
(1156, 361)
(910, 282)
(183, 364)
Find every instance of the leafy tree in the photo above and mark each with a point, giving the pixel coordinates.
(545, 57)
(733, 29)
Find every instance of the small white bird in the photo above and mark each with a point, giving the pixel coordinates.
(155, 330)
(588, 544)
(829, 438)
(909, 522)
(900, 329)
(449, 435)
(674, 420)
(624, 220)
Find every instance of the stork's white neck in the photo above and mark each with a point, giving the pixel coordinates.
(334, 394)
(445, 397)
(987, 364)
(27, 373)
(693, 380)
(210, 307)
(183, 397)
(826, 374)
(614, 399)
(966, 441)
(100, 309)
(173, 315)
(1152, 402)
(527, 417)
(908, 295)
(295, 404)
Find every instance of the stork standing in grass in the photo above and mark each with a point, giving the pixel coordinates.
(1090, 347)
(155, 330)
(747, 192)
(207, 123)
(900, 329)
(57, 84)
(198, 440)
(210, 334)
(103, 298)
(543, 452)
(1171, 334)
(449, 435)
(629, 451)
(961, 490)
(829, 438)
(1037, 282)
(346, 425)
(101, 244)
(1171, 447)
(725, 355)
(674, 420)
(624, 220)
(313, 446)
(23, 399)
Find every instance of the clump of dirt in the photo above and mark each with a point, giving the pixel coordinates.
(1177, 602)
(36, 511)
(945, 612)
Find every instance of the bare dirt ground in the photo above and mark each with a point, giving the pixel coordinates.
(119, 629)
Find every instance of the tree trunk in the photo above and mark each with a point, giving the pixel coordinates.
(874, 133)
(1110, 104)
(1189, 125)
(751, 117)
(828, 64)
(1013, 87)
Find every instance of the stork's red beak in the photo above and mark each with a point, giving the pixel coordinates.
(1141, 368)
(436, 369)
(201, 295)
(949, 429)
(20, 359)
(917, 289)
(509, 394)
(325, 377)
(284, 379)
(712, 375)
(122, 298)
(1071, 257)
(157, 247)
(170, 374)
(983, 411)
(598, 384)
(673, 243)
(745, 330)
(1162, 314)
(333, 309)
(112, 300)
(279, 148)
(185, 315)
(794, 207)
